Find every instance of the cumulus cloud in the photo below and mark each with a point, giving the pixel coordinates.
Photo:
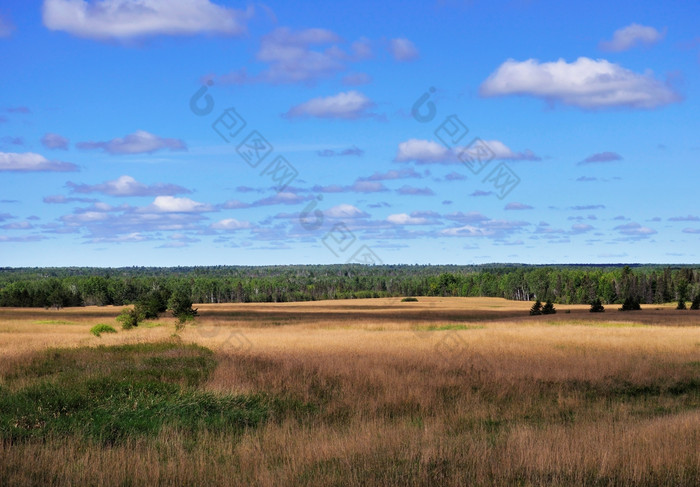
(32, 162)
(631, 36)
(601, 157)
(412, 219)
(344, 105)
(429, 152)
(584, 83)
(140, 142)
(403, 50)
(128, 186)
(54, 141)
(127, 19)
(171, 204)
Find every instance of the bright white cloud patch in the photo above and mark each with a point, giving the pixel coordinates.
(584, 83)
(631, 36)
(32, 162)
(403, 49)
(127, 19)
(128, 186)
(170, 204)
(346, 105)
(140, 142)
(406, 219)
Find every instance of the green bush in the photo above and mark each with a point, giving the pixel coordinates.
(102, 328)
(409, 300)
(130, 317)
(696, 303)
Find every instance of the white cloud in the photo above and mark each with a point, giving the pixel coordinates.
(32, 162)
(584, 83)
(139, 142)
(429, 152)
(128, 19)
(230, 224)
(406, 219)
(631, 36)
(128, 186)
(403, 50)
(170, 204)
(346, 105)
(345, 211)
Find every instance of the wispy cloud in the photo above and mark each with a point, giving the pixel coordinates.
(54, 141)
(601, 157)
(128, 186)
(403, 50)
(140, 142)
(631, 36)
(345, 105)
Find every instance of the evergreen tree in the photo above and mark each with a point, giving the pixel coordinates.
(597, 307)
(548, 308)
(630, 304)
(536, 308)
(696, 303)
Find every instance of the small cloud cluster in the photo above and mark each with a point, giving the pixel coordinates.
(140, 142)
(631, 36)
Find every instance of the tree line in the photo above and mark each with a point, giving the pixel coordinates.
(566, 284)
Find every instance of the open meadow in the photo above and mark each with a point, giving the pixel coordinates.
(442, 391)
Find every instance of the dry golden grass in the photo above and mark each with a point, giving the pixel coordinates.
(494, 397)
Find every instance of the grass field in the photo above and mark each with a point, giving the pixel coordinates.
(442, 391)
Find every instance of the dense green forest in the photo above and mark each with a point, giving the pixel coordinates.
(73, 286)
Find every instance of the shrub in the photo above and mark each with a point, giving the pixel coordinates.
(536, 308)
(181, 305)
(597, 307)
(630, 304)
(130, 317)
(102, 328)
(548, 308)
(681, 304)
(696, 303)
(409, 300)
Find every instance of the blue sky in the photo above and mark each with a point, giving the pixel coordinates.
(197, 132)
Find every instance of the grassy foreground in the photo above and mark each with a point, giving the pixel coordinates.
(376, 392)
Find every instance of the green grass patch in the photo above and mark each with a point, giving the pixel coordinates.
(53, 322)
(449, 326)
(100, 328)
(111, 394)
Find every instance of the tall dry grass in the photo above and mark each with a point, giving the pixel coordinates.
(576, 400)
